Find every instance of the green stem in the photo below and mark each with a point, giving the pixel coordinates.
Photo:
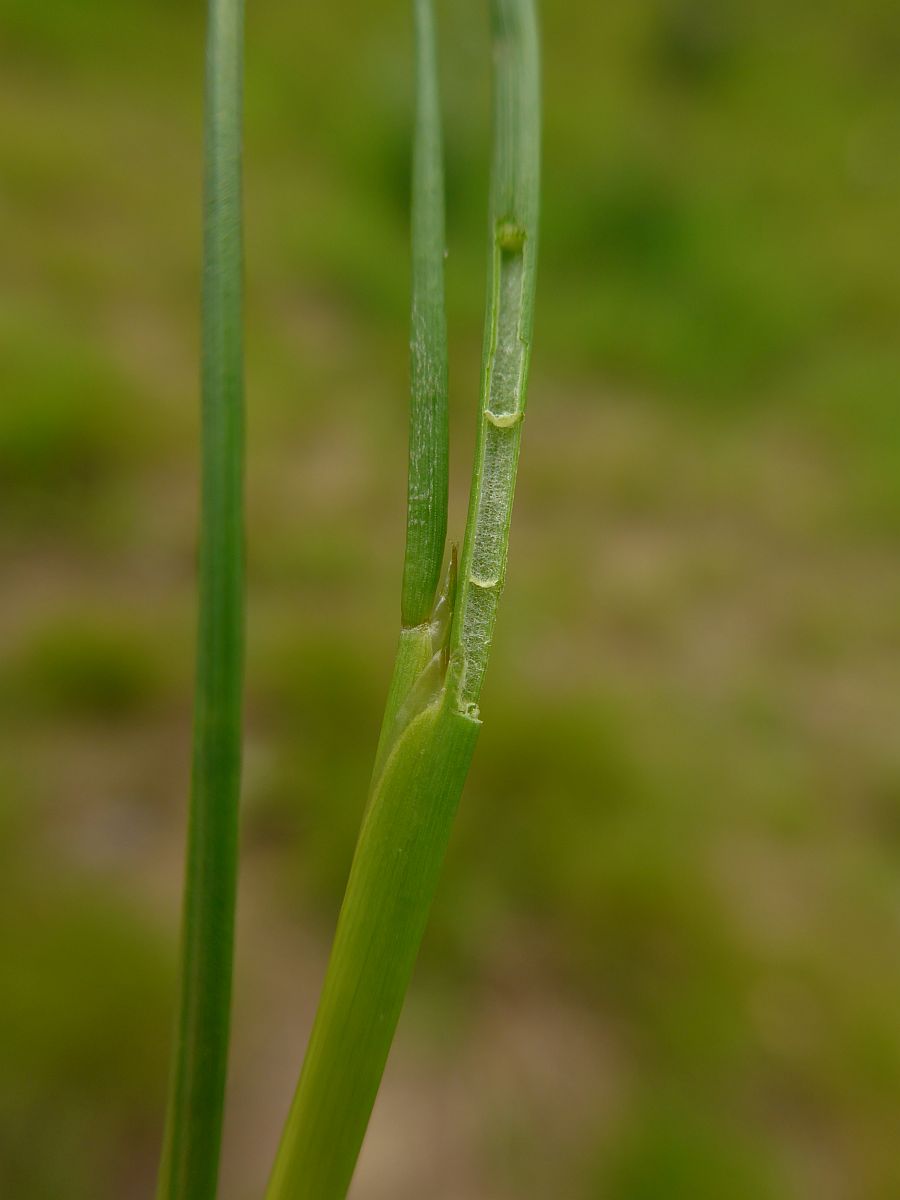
(190, 1161)
(515, 181)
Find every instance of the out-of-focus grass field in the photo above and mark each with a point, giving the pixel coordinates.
(663, 962)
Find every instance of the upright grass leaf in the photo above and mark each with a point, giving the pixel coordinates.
(190, 1160)
(431, 720)
(426, 509)
(427, 478)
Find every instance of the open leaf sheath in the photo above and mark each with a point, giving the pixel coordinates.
(392, 882)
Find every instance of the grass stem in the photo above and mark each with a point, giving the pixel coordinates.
(512, 255)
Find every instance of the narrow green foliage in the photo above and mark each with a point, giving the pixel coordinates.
(189, 1168)
(426, 511)
(515, 182)
(431, 720)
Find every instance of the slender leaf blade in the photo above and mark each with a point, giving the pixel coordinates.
(426, 508)
(189, 1168)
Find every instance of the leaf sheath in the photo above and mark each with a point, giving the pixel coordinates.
(392, 882)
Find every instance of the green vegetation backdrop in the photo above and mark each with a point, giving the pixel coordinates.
(663, 959)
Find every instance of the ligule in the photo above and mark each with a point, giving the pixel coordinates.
(421, 668)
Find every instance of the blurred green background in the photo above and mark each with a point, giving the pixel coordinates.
(663, 962)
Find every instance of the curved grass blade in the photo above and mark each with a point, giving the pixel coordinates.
(190, 1161)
